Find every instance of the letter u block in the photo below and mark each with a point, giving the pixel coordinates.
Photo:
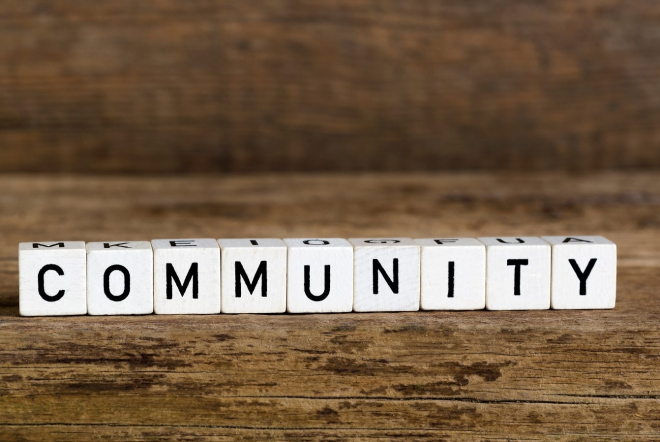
(186, 276)
(52, 278)
(320, 275)
(253, 275)
(517, 273)
(387, 273)
(120, 278)
(583, 272)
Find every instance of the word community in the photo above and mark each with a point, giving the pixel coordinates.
(327, 275)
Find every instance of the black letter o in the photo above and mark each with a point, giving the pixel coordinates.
(106, 283)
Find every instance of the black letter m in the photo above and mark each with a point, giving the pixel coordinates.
(251, 285)
(172, 276)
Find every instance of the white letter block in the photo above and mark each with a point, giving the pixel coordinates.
(386, 275)
(51, 278)
(320, 275)
(186, 276)
(453, 274)
(583, 272)
(253, 275)
(120, 278)
(517, 273)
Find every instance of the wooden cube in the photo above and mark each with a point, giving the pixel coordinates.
(583, 272)
(52, 278)
(386, 276)
(517, 273)
(186, 276)
(453, 274)
(120, 278)
(320, 275)
(253, 275)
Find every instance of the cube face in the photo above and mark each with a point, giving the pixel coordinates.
(254, 275)
(518, 273)
(186, 276)
(583, 272)
(52, 278)
(120, 278)
(453, 274)
(386, 275)
(320, 275)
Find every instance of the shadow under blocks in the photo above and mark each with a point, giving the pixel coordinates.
(315, 275)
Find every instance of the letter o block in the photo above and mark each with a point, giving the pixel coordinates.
(120, 278)
(186, 276)
(517, 273)
(52, 278)
(320, 278)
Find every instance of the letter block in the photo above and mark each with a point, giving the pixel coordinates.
(186, 276)
(517, 273)
(120, 278)
(386, 274)
(320, 275)
(583, 272)
(453, 274)
(253, 275)
(52, 278)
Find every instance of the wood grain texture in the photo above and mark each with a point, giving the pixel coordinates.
(295, 85)
(536, 375)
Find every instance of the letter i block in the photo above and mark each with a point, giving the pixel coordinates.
(120, 278)
(253, 275)
(453, 274)
(386, 275)
(517, 273)
(186, 276)
(52, 278)
(320, 275)
(583, 272)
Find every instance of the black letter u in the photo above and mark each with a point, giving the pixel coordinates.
(326, 290)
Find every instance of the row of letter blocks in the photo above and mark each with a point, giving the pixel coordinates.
(332, 275)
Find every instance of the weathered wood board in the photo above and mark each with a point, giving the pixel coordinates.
(533, 375)
(166, 86)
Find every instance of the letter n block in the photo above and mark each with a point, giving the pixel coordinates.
(583, 272)
(320, 275)
(517, 273)
(120, 278)
(52, 278)
(253, 275)
(386, 276)
(186, 276)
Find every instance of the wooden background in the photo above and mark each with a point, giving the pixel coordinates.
(109, 109)
(328, 85)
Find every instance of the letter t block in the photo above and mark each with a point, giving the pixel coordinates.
(517, 273)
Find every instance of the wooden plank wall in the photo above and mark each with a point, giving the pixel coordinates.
(165, 86)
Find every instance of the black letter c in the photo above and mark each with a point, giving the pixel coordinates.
(40, 282)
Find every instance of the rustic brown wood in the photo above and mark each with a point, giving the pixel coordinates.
(207, 86)
(561, 375)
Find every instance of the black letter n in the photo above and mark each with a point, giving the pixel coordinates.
(172, 276)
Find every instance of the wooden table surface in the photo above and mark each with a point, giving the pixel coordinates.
(561, 375)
